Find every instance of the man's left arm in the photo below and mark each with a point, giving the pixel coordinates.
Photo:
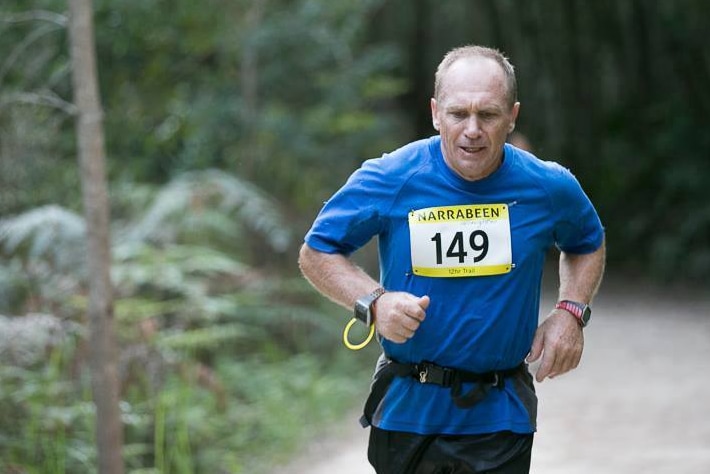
(559, 339)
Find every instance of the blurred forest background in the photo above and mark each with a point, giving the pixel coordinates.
(228, 122)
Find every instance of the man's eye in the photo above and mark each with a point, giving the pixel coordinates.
(459, 115)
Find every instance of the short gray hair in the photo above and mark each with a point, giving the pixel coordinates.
(478, 51)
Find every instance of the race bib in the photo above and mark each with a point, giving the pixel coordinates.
(460, 241)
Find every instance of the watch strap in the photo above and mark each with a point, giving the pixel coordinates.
(578, 310)
(377, 293)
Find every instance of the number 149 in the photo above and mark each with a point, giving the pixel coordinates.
(477, 241)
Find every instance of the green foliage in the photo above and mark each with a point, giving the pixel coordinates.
(666, 230)
(290, 96)
(273, 91)
(49, 233)
(242, 415)
(293, 95)
(45, 416)
(219, 362)
(41, 258)
(35, 107)
(198, 205)
(649, 171)
(272, 407)
(228, 122)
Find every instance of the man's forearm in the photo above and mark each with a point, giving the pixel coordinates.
(335, 276)
(581, 275)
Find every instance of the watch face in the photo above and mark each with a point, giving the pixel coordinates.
(363, 306)
(362, 311)
(586, 314)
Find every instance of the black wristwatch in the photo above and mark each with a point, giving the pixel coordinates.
(363, 306)
(580, 311)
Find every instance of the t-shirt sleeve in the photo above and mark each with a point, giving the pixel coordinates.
(352, 216)
(578, 229)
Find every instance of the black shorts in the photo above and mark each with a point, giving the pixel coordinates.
(394, 452)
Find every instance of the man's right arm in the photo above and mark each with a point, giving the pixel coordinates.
(335, 276)
(397, 314)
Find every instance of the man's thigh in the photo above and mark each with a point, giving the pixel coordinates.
(392, 452)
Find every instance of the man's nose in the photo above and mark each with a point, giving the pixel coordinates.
(473, 127)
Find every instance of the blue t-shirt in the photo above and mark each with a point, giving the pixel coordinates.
(477, 323)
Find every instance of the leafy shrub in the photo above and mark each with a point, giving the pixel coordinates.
(221, 364)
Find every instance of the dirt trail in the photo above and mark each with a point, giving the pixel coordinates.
(638, 403)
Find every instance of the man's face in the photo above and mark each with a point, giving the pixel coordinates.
(473, 117)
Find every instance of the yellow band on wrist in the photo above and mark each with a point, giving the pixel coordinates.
(350, 345)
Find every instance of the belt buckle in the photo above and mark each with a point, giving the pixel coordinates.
(431, 373)
(423, 374)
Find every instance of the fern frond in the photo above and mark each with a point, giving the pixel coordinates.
(135, 309)
(184, 203)
(24, 340)
(180, 269)
(51, 233)
(254, 206)
(209, 337)
(12, 285)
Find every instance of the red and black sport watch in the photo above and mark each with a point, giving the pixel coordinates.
(580, 311)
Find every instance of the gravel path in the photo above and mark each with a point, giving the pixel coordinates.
(638, 403)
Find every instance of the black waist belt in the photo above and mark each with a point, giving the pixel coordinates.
(427, 372)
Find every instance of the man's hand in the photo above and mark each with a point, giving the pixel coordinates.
(560, 341)
(398, 315)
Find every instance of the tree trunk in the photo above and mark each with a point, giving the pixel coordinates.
(90, 139)
(249, 77)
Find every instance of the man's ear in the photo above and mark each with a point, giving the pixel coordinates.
(514, 116)
(434, 120)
